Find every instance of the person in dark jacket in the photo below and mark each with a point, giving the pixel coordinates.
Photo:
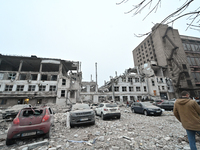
(187, 111)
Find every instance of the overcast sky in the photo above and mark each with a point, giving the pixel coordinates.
(89, 31)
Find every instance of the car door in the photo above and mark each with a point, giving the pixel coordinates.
(99, 108)
(137, 107)
(140, 108)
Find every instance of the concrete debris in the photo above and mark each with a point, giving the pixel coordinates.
(132, 131)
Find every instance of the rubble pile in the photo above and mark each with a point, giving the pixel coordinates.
(132, 131)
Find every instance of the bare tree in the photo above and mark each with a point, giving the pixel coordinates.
(193, 17)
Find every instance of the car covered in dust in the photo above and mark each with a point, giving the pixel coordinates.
(81, 114)
(13, 111)
(108, 110)
(31, 122)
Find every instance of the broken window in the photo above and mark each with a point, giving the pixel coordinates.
(31, 88)
(20, 87)
(44, 77)
(11, 76)
(42, 88)
(137, 80)
(139, 98)
(63, 82)
(52, 88)
(123, 79)
(132, 98)
(145, 88)
(117, 98)
(125, 98)
(72, 94)
(3, 101)
(8, 87)
(33, 76)
(123, 89)
(22, 77)
(30, 112)
(163, 88)
(83, 89)
(130, 79)
(130, 89)
(54, 78)
(39, 101)
(137, 88)
(184, 66)
(116, 89)
(20, 101)
(92, 88)
(62, 93)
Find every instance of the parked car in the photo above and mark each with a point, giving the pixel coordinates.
(106, 110)
(145, 108)
(31, 122)
(173, 99)
(13, 111)
(167, 105)
(155, 102)
(93, 106)
(81, 114)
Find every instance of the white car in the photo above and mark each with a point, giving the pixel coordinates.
(106, 110)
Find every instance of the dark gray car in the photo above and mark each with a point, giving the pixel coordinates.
(145, 108)
(81, 114)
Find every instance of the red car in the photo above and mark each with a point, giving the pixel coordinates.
(31, 122)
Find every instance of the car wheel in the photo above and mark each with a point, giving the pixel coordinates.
(93, 123)
(9, 141)
(48, 134)
(133, 110)
(145, 113)
(102, 116)
(71, 125)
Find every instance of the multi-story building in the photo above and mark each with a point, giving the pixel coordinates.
(179, 57)
(134, 84)
(38, 80)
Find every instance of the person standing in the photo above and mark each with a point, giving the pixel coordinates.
(187, 111)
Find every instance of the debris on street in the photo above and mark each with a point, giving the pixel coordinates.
(131, 131)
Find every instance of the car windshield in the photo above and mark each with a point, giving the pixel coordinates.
(80, 106)
(146, 104)
(111, 105)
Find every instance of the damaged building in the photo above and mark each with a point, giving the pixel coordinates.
(133, 85)
(36, 80)
(177, 55)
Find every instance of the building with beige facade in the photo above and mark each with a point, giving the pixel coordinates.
(177, 55)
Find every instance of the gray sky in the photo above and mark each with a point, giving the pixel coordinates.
(88, 31)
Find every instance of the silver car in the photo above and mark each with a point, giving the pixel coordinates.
(81, 114)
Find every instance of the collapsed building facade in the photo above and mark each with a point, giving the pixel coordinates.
(36, 80)
(135, 84)
(177, 55)
(89, 92)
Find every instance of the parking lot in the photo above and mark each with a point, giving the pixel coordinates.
(131, 131)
